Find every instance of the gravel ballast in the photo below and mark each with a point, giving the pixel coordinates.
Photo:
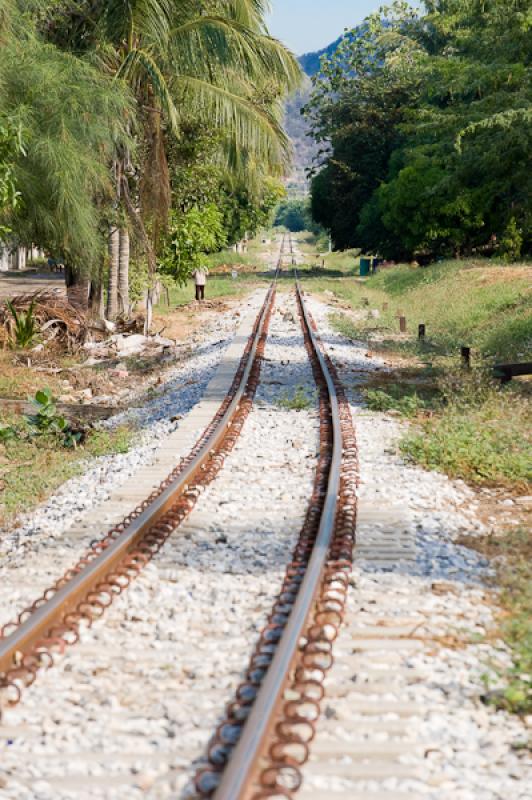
(135, 703)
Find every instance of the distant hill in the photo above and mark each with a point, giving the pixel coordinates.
(310, 62)
(305, 148)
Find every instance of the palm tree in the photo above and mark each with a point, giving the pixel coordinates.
(223, 67)
(112, 287)
(216, 63)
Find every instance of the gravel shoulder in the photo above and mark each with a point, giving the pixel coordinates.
(419, 634)
(61, 527)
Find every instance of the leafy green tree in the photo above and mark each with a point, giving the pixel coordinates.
(217, 64)
(192, 235)
(10, 147)
(291, 215)
(295, 215)
(426, 118)
(358, 103)
(246, 211)
(71, 119)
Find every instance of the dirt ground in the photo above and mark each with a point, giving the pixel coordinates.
(14, 283)
(110, 382)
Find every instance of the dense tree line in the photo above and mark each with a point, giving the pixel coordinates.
(126, 126)
(424, 120)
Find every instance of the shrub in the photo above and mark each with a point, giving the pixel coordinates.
(25, 329)
(299, 401)
(46, 420)
(407, 404)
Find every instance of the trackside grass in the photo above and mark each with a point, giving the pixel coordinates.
(463, 422)
(468, 426)
(31, 469)
(511, 554)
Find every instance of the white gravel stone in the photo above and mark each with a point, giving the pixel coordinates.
(134, 705)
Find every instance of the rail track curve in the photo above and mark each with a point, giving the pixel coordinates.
(260, 747)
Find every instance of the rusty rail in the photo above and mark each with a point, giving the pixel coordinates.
(259, 748)
(80, 596)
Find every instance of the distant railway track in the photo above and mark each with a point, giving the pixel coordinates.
(265, 739)
(258, 750)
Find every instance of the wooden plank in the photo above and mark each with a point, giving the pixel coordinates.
(90, 413)
(505, 372)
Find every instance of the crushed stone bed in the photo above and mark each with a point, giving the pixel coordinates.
(47, 528)
(135, 704)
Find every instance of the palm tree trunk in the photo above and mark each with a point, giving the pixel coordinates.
(136, 220)
(123, 272)
(21, 258)
(112, 288)
(4, 258)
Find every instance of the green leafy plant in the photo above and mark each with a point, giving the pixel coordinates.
(7, 433)
(26, 329)
(190, 237)
(408, 405)
(46, 420)
(482, 441)
(299, 401)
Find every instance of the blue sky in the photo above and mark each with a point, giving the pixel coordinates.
(307, 25)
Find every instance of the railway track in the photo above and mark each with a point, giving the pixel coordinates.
(82, 594)
(260, 747)
(374, 738)
(310, 604)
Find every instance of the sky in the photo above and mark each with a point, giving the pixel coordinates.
(308, 25)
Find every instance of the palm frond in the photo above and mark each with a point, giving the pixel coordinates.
(138, 22)
(207, 42)
(251, 128)
(138, 62)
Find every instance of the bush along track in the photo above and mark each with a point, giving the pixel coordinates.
(470, 427)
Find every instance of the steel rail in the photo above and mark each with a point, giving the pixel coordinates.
(241, 772)
(15, 645)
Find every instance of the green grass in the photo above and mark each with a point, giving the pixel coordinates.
(515, 577)
(31, 470)
(484, 441)
(474, 431)
(228, 258)
(511, 554)
(405, 400)
(477, 304)
(299, 400)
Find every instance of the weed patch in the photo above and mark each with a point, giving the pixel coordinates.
(511, 554)
(31, 469)
(404, 400)
(480, 434)
(298, 401)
